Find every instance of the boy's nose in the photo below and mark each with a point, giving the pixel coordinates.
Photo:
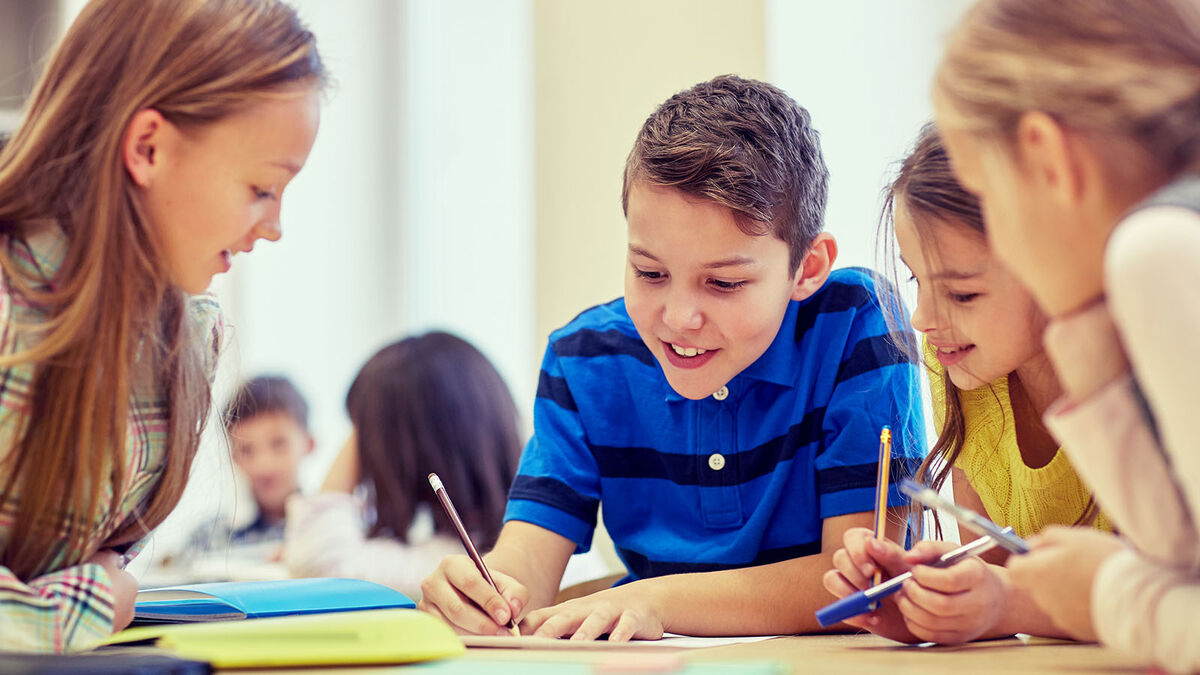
(682, 313)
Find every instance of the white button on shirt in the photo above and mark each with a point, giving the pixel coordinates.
(721, 394)
(716, 461)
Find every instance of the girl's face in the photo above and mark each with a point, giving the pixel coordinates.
(981, 320)
(215, 190)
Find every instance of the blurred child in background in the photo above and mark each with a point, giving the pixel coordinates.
(430, 403)
(266, 420)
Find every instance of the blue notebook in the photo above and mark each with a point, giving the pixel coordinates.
(258, 599)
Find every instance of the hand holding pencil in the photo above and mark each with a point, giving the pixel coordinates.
(454, 584)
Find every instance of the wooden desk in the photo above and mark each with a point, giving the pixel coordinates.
(871, 654)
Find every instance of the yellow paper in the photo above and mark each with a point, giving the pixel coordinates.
(370, 636)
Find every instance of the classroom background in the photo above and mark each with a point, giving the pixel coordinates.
(467, 173)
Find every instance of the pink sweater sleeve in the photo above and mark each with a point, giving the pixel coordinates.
(1111, 441)
(1135, 444)
(1147, 609)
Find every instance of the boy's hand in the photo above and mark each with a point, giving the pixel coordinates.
(1058, 574)
(854, 569)
(456, 591)
(122, 584)
(624, 613)
(952, 605)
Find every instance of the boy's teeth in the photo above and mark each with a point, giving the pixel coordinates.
(687, 351)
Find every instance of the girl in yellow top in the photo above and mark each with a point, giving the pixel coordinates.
(981, 333)
(992, 472)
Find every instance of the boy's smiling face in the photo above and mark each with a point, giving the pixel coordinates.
(706, 298)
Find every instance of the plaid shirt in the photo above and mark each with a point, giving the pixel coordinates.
(71, 608)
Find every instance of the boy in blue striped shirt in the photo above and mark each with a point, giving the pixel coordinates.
(726, 411)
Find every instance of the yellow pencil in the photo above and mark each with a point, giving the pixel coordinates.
(882, 479)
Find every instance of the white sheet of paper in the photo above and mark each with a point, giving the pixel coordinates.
(668, 641)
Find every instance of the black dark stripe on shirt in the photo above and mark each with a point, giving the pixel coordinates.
(870, 354)
(835, 297)
(588, 343)
(643, 568)
(681, 469)
(555, 493)
(838, 478)
(555, 389)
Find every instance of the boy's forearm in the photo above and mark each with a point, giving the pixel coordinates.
(780, 598)
(533, 556)
(518, 565)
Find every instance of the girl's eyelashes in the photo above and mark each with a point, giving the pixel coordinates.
(960, 298)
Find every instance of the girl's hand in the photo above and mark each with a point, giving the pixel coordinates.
(854, 569)
(456, 591)
(1059, 571)
(122, 584)
(624, 613)
(952, 605)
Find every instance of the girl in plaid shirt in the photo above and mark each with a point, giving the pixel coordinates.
(156, 145)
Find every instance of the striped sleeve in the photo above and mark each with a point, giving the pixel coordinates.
(877, 384)
(65, 611)
(558, 484)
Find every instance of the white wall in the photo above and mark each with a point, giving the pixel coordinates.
(863, 68)
(468, 163)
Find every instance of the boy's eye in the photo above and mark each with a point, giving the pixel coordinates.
(963, 298)
(647, 274)
(260, 193)
(726, 285)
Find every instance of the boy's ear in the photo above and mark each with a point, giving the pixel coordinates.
(312, 443)
(815, 267)
(141, 150)
(1049, 157)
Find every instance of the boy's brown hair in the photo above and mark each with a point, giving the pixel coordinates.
(266, 394)
(743, 144)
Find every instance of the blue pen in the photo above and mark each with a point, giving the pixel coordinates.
(866, 601)
(974, 522)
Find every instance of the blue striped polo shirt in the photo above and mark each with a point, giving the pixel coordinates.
(702, 485)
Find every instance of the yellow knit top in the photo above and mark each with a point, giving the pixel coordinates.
(1014, 494)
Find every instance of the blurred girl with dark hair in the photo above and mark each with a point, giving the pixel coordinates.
(430, 403)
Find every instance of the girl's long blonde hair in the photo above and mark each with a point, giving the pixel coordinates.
(114, 321)
(1130, 70)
